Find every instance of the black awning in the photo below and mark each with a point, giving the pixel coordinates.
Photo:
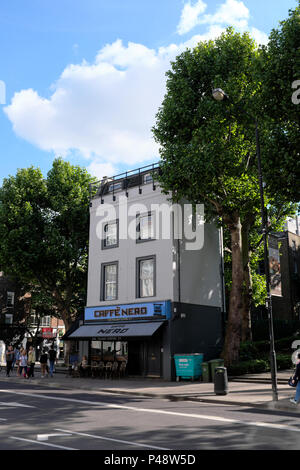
(112, 330)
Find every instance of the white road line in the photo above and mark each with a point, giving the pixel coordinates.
(42, 443)
(114, 440)
(45, 437)
(3, 419)
(15, 404)
(170, 413)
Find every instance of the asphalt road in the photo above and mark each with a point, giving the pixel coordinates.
(40, 418)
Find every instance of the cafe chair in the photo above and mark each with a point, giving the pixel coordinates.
(101, 369)
(115, 369)
(122, 369)
(108, 369)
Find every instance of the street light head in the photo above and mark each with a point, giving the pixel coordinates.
(219, 94)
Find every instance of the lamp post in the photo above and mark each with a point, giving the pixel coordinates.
(220, 95)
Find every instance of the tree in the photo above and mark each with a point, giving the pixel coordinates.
(208, 151)
(44, 235)
(279, 73)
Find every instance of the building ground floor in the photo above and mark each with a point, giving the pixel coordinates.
(148, 345)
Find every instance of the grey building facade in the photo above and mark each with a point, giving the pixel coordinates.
(153, 290)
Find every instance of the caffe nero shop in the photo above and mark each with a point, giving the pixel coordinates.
(135, 333)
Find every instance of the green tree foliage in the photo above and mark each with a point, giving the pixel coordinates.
(278, 70)
(208, 153)
(44, 236)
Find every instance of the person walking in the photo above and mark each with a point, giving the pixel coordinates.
(296, 377)
(31, 361)
(43, 362)
(23, 363)
(9, 360)
(52, 359)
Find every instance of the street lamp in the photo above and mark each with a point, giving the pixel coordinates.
(220, 95)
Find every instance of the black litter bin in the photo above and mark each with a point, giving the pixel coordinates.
(221, 381)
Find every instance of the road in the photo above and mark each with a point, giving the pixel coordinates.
(33, 417)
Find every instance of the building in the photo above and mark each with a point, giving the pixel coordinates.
(152, 291)
(285, 281)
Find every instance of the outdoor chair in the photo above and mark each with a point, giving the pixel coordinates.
(108, 369)
(101, 369)
(122, 369)
(115, 369)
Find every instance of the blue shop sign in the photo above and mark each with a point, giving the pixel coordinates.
(129, 311)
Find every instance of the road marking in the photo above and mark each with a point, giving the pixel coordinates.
(111, 439)
(42, 443)
(3, 419)
(170, 413)
(15, 404)
(45, 437)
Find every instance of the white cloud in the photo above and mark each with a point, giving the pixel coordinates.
(190, 16)
(99, 169)
(104, 110)
(232, 12)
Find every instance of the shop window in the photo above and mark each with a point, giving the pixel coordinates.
(109, 285)
(146, 277)
(111, 235)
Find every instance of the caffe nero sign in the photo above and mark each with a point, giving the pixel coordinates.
(128, 311)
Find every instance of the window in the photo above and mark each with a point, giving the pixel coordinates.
(8, 318)
(111, 235)
(145, 227)
(114, 187)
(109, 281)
(42, 321)
(148, 178)
(146, 277)
(10, 299)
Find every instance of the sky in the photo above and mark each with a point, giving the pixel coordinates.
(83, 79)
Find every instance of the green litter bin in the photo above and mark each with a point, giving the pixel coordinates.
(188, 366)
(213, 364)
(206, 377)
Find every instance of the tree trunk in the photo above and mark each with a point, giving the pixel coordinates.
(234, 323)
(247, 288)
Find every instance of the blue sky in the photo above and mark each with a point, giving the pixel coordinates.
(84, 79)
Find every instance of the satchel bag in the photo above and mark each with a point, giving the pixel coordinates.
(292, 384)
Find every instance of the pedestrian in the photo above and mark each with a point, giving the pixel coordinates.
(296, 377)
(83, 366)
(52, 359)
(43, 362)
(23, 363)
(16, 357)
(9, 360)
(31, 361)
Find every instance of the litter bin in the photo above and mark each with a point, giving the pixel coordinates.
(206, 377)
(213, 364)
(188, 366)
(220, 381)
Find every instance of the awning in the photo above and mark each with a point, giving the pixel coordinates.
(111, 330)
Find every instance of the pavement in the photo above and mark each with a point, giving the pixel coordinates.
(252, 390)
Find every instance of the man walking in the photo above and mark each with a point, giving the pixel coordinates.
(52, 359)
(9, 360)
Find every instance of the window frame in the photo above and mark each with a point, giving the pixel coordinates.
(138, 279)
(102, 283)
(116, 245)
(138, 227)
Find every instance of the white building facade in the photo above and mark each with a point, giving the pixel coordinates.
(155, 278)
